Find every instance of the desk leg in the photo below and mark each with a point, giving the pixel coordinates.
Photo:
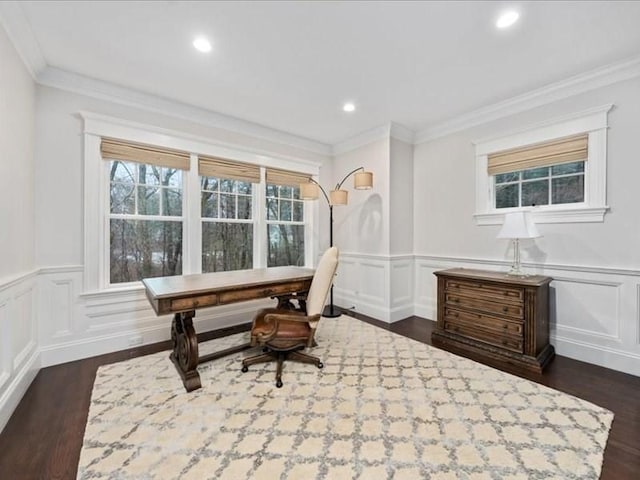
(185, 349)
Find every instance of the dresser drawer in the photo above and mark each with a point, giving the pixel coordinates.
(483, 290)
(484, 305)
(506, 342)
(480, 321)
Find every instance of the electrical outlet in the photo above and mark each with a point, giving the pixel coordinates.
(135, 340)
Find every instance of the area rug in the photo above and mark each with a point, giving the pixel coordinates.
(383, 407)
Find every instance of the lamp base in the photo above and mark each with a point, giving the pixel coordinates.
(516, 271)
(330, 311)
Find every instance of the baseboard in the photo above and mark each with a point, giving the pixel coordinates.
(18, 387)
(204, 321)
(598, 355)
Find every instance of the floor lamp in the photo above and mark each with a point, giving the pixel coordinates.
(362, 180)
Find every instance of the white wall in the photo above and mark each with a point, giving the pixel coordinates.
(596, 265)
(362, 226)
(401, 198)
(19, 359)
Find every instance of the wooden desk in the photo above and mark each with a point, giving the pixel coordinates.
(183, 295)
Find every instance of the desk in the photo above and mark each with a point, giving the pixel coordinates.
(183, 295)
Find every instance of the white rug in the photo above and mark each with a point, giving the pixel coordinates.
(383, 407)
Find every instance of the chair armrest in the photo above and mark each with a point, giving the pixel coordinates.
(276, 318)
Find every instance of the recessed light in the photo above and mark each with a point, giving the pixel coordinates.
(507, 19)
(348, 107)
(202, 45)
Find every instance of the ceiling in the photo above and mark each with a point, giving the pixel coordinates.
(291, 65)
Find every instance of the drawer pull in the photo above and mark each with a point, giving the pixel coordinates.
(505, 327)
(456, 314)
(505, 342)
(505, 309)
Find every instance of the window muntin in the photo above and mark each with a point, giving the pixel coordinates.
(227, 224)
(554, 185)
(285, 226)
(145, 221)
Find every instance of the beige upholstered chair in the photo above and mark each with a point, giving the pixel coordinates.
(284, 333)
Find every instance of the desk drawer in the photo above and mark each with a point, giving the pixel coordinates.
(485, 305)
(506, 342)
(263, 292)
(192, 303)
(483, 290)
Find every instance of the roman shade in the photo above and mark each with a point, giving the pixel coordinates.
(564, 150)
(286, 177)
(223, 168)
(115, 149)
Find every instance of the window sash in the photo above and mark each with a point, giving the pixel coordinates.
(556, 152)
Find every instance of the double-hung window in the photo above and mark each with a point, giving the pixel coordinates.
(285, 218)
(145, 210)
(226, 209)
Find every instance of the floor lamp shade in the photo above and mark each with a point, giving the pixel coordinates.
(339, 197)
(363, 180)
(309, 191)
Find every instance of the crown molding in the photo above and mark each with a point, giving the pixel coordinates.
(402, 133)
(18, 29)
(361, 139)
(388, 130)
(80, 84)
(600, 77)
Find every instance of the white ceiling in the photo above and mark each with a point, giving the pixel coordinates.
(291, 65)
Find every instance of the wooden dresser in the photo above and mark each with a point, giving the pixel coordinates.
(495, 318)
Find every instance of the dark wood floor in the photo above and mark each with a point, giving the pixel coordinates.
(43, 437)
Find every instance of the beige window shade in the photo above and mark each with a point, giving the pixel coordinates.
(114, 149)
(565, 150)
(285, 177)
(219, 167)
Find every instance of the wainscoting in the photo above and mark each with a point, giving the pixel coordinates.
(19, 355)
(88, 324)
(595, 312)
(46, 319)
(379, 286)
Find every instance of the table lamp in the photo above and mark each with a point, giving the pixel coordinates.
(518, 225)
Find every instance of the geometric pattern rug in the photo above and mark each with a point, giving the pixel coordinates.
(384, 406)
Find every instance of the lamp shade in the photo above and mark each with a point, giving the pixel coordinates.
(518, 225)
(339, 197)
(363, 181)
(309, 191)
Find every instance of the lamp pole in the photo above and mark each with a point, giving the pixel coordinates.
(329, 311)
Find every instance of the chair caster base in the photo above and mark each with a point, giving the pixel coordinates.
(320, 365)
(245, 369)
(279, 384)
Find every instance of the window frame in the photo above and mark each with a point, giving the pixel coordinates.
(96, 193)
(594, 122)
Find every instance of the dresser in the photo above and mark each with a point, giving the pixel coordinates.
(498, 319)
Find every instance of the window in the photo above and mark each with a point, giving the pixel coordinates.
(227, 224)
(145, 221)
(557, 170)
(559, 184)
(285, 225)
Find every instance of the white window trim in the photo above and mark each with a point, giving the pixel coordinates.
(592, 121)
(96, 192)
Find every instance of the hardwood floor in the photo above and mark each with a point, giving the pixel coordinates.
(42, 440)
